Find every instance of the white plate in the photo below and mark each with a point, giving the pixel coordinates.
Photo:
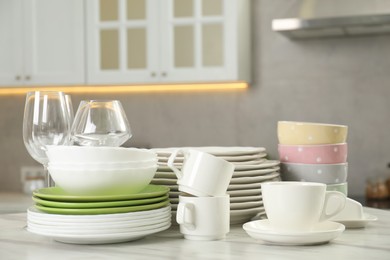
(265, 164)
(245, 186)
(321, 233)
(246, 205)
(215, 150)
(99, 230)
(246, 198)
(249, 173)
(242, 180)
(357, 223)
(165, 175)
(100, 239)
(97, 218)
(251, 162)
(240, 193)
(243, 215)
(161, 181)
(240, 158)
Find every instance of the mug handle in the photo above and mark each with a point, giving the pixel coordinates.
(185, 215)
(171, 165)
(340, 197)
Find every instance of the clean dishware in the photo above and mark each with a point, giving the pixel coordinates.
(46, 122)
(305, 133)
(97, 154)
(299, 206)
(202, 174)
(100, 123)
(312, 154)
(58, 194)
(69, 107)
(102, 181)
(203, 218)
(104, 165)
(321, 233)
(323, 173)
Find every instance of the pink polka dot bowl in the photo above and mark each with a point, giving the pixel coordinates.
(323, 173)
(313, 154)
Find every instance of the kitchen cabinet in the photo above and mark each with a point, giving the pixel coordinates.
(138, 41)
(42, 42)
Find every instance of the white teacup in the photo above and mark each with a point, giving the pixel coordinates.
(299, 206)
(203, 218)
(202, 174)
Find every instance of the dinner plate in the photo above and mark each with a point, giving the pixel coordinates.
(147, 220)
(320, 234)
(245, 205)
(95, 211)
(102, 238)
(252, 173)
(245, 186)
(246, 198)
(215, 150)
(251, 162)
(240, 158)
(242, 180)
(163, 181)
(238, 193)
(95, 230)
(100, 218)
(165, 175)
(58, 194)
(265, 164)
(243, 215)
(104, 204)
(357, 223)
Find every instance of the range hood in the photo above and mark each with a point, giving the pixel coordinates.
(331, 18)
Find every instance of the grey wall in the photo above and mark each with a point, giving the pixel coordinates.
(341, 81)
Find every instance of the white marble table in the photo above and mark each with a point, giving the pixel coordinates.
(372, 242)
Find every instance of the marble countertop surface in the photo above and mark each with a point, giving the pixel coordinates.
(372, 242)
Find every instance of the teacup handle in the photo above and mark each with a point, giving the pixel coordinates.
(340, 197)
(171, 165)
(185, 215)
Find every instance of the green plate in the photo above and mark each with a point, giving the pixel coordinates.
(95, 211)
(103, 204)
(58, 194)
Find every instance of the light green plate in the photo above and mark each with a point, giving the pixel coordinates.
(103, 204)
(58, 194)
(96, 211)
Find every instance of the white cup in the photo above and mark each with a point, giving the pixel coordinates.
(202, 174)
(203, 218)
(299, 206)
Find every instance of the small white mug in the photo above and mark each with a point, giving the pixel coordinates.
(299, 206)
(203, 218)
(202, 174)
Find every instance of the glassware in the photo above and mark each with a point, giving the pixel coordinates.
(100, 123)
(46, 122)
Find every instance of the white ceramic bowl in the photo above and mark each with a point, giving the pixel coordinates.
(96, 154)
(323, 173)
(104, 165)
(96, 182)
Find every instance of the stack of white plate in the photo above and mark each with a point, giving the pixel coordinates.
(251, 169)
(99, 219)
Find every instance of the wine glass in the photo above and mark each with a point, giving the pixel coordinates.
(46, 122)
(100, 123)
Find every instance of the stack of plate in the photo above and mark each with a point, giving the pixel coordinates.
(251, 169)
(99, 219)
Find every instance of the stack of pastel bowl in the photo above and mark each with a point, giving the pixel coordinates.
(103, 195)
(314, 152)
(251, 168)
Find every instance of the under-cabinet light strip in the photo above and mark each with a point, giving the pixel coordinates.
(202, 87)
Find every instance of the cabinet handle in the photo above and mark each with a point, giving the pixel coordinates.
(153, 74)
(164, 74)
(27, 77)
(17, 77)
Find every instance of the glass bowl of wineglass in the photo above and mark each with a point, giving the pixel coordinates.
(100, 123)
(46, 121)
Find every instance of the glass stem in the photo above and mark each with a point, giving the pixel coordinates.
(49, 180)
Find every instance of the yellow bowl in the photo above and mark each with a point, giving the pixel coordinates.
(303, 133)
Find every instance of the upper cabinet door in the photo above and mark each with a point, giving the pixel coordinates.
(199, 40)
(11, 39)
(122, 41)
(54, 42)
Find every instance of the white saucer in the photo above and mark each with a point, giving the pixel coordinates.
(357, 223)
(321, 233)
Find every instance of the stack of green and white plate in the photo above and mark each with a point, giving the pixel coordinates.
(98, 219)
